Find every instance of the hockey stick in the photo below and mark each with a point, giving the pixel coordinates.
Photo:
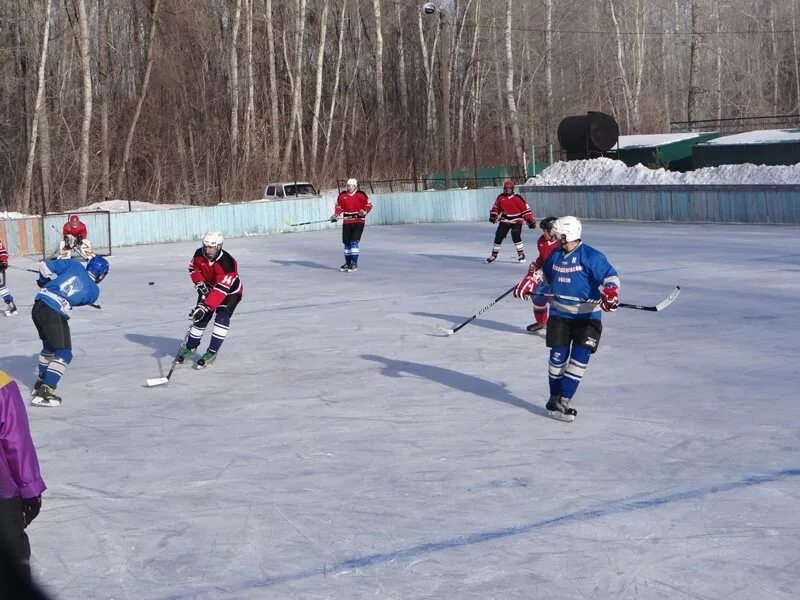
(655, 308)
(162, 380)
(306, 223)
(441, 329)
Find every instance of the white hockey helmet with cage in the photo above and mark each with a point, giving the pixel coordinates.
(567, 229)
(352, 184)
(212, 239)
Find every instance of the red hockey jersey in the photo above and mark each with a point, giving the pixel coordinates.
(545, 249)
(3, 254)
(351, 205)
(78, 230)
(221, 275)
(511, 209)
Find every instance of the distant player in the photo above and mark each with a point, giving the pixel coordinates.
(75, 238)
(353, 206)
(215, 276)
(21, 483)
(511, 211)
(546, 244)
(65, 284)
(573, 332)
(5, 294)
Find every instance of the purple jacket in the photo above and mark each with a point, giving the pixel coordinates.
(19, 467)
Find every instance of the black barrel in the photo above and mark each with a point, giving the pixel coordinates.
(588, 135)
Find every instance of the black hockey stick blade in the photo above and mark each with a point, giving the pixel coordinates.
(444, 331)
(660, 306)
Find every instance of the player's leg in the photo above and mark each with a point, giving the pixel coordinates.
(5, 294)
(516, 237)
(13, 536)
(346, 232)
(585, 339)
(222, 322)
(56, 353)
(499, 235)
(355, 239)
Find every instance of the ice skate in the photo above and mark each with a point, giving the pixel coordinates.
(184, 354)
(521, 258)
(206, 360)
(45, 396)
(353, 268)
(345, 268)
(534, 327)
(558, 408)
(36, 385)
(11, 309)
(492, 258)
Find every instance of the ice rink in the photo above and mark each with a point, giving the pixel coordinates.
(339, 449)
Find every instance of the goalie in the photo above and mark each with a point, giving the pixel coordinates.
(75, 239)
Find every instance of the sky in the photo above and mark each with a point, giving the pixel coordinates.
(339, 448)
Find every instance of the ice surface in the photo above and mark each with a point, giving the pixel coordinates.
(339, 449)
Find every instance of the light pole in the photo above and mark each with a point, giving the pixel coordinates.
(430, 8)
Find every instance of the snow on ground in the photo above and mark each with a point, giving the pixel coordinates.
(126, 206)
(7, 214)
(605, 171)
(338, 449)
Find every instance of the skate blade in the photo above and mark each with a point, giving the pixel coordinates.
(559, 416)
(157, 381)
(39, 401)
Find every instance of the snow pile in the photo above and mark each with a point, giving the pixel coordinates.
(122, 206)
(7, 214)
(605, 171)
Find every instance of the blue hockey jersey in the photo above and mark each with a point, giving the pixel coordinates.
(66, 283)
(581, 274)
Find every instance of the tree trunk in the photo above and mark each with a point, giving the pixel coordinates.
(401, 68)
(691, 96)
(250, 110)
(104, 76)
(297, 88)
(86, 70)
(512, 106)
(548, 72)
(233, 78)
(335, 91)
(140, 101)
(718, 62)
(379, 93)
(318, 91)
(37, 109)
(275, 122)
(796, 54)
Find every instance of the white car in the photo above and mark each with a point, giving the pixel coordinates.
(289, 190)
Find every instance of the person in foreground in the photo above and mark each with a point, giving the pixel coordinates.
(584, 285)
(21, 486)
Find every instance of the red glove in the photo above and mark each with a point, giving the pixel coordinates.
(610, 300)
(526, 287)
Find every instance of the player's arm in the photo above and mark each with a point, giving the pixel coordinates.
(50, 269)
(494, 212)
(365, 206)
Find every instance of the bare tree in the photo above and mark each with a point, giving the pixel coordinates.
(142, 94)
(85, 50)
(37, 109)
(273, 83)
(512, 106)
(316, 117)
(335, 91)
(296, 73)
(233, 78)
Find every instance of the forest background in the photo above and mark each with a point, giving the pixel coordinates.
(200, 101)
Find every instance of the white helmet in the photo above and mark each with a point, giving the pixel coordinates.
(212, 239)
(352, 183)
(567, 229)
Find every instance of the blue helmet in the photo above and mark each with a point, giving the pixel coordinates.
(98, 268)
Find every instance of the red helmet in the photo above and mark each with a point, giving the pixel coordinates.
(74, 220)
(508, 186)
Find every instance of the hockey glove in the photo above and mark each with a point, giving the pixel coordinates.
(202, 288)
(492, 220)
(362, 213)
(3, 265)
(610, 301)
(31, 508)
(526, 287)
(79, 240)
(532, 224)
(199, 313)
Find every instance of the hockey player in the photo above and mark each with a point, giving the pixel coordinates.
(511, 211)
(573, 332)
(75, 238)
(353, 206)
(546, 244)
(5, 294)
(65, 284)
(215, 276)
(21, 483)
